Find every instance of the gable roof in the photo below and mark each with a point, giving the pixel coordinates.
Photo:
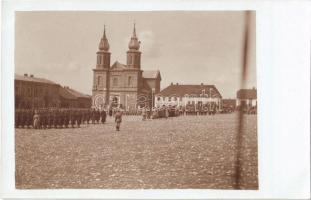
(151, 74)
(247, 94)
(191, 90)
(33, 79)
(119, 66)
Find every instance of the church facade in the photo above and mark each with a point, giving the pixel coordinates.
(123, 85)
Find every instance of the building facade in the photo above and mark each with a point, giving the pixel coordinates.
(124, 85)
(246, 98)
(183, 95)
(34, 92)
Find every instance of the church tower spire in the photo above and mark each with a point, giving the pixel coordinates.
(133, 54)
(103, 54)
(100, 91)
(104, 44)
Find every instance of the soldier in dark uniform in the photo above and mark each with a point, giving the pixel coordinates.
(97, 116)
(44, 118)
(214, 109)
(22, 118)
(103, 116)
(49, 118)
(83, 113)
(110, 111)
(66, 118)
(79, 117)
(88, 116)
(93, 115)
(28, 118)
(62, 118)
(72, 118)
(55, 120)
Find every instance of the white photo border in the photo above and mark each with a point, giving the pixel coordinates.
(283, 82)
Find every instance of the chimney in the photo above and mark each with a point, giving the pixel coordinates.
(176, 83)
(172, 83)
(31, 75)
(202, 84)
(25, 74)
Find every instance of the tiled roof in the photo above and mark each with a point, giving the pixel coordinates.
(33, 79)
(190, 90)
(76, 93)
(151, 74)
(247, 94)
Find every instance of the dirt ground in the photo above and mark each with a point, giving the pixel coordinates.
(179, 152)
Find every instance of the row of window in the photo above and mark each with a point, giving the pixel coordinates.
(171, 98)
(30, 91)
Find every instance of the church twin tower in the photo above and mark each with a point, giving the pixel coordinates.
(133, 54)
(120, 84)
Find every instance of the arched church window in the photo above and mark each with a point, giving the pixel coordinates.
(99, 80)
(115, 81)
(99, 59)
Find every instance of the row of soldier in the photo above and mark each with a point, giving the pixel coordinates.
(57, 118)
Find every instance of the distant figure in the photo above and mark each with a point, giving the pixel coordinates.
(110, 111)
(166, 113)
(118, 119)
(103, 116)
(144, 114)
(36, 120)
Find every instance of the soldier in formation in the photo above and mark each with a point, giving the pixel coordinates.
(47, 118)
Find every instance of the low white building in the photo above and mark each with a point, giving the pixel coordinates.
(246, 97)
(181, 95)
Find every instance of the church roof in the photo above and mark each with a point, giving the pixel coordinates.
(151, 74)
(31, 78)
(118, 65)
(190, 90)
(247, 94)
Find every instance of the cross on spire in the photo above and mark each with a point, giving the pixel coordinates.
(104, 36)
(134, 31)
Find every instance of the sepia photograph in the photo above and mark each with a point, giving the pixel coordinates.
(135, 100)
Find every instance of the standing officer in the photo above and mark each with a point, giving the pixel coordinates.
(118, 119)
(36, 119)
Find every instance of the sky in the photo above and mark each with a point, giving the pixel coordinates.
(187, 47)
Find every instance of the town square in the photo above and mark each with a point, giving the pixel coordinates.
(178, 152)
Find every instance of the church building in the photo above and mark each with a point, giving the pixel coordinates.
(124, 85)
